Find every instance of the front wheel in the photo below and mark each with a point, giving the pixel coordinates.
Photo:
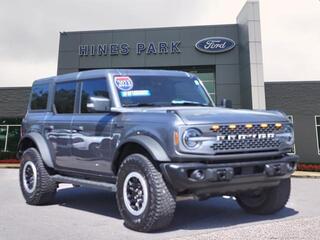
(266, 201)
(143, 199)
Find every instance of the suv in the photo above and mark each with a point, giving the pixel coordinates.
(153, 137)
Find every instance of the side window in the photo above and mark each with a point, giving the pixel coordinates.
(92, 88)
(64, 97)
(317, 122)
(39, 96)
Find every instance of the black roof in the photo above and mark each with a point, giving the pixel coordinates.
(13, 101)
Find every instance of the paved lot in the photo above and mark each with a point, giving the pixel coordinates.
(80, 213)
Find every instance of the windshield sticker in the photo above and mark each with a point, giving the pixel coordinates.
(123, 83)
(135, 93)
(196, 82)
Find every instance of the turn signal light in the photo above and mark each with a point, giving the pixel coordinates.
(232, 126)
(176, 138)
(215, 127)
(278, 125)
(263, 125)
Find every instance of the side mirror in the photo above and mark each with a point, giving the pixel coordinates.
(226, 103)
(99, 104)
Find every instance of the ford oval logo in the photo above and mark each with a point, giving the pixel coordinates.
(215, 45)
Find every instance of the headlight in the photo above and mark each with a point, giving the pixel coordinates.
(287, 136)
(189, 138)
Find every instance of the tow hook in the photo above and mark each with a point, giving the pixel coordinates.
(222, 175)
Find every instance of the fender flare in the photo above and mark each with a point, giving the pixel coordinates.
(148, 143)
(42, 147)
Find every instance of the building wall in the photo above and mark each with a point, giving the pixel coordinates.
(238, 73)
(250, 53)
(302, 101)
(13, 106)
(226, 64)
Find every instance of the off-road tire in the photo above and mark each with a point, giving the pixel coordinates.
(161, 202)
(45, 188)
(272, 199)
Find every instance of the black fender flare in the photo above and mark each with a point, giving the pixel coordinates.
(152, 146)
(42, 147)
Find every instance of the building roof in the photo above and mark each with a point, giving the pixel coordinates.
(13, 101)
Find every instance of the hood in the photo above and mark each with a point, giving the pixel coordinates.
(203, 115)
(210, 115)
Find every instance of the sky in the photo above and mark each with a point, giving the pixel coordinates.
(29, 35)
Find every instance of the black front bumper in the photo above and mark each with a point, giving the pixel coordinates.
(226, 178)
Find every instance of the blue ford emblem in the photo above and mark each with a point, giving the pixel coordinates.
(215, 44)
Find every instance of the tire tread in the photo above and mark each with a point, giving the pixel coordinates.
(46, 186)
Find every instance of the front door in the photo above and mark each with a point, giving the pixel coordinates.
(92, 131)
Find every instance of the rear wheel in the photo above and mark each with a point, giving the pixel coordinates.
(143, 199)
(266, 201)
(36, 184)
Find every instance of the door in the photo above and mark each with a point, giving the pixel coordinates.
(58, 124)
(91, 131)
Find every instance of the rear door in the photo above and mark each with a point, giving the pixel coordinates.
(91, 131)
(58, 123)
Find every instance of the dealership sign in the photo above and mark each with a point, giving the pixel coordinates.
(114, 49)
(215, 45)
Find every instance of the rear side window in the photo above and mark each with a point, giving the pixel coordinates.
(39, 96)
(65, 97)
(92, 88)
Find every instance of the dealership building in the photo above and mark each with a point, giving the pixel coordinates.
(227, 58)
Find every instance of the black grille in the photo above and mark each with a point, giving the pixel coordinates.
(249, 144)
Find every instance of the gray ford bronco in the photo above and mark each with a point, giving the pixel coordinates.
(152, 137)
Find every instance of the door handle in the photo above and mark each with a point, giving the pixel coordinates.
(49, 128)
(78, 128)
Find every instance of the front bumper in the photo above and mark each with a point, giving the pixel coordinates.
(203, 179)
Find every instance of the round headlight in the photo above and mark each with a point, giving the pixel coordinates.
(287, 136)
(189, 138)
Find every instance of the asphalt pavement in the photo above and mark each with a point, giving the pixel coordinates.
(82, 213)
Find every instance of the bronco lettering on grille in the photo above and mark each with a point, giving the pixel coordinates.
(245, 136)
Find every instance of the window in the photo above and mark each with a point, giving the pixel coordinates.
(317, 122)
(92, 88)
(207, 77)
(3, 137)
(163, 91)
(39, 96)
(13, 137)
(65, 97)
(9, 137)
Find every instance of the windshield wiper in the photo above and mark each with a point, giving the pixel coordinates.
(140, 105)
(188, 103)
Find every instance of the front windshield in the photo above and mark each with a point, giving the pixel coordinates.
(137, 91)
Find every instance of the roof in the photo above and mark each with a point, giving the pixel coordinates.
(104, 72)
(14, 101)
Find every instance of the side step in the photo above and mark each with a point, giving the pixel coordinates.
(85, 183)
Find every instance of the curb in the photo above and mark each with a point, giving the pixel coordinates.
(9, 165)
(305, 174)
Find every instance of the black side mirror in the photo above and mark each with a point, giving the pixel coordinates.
(99, 104)
(226, 103)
